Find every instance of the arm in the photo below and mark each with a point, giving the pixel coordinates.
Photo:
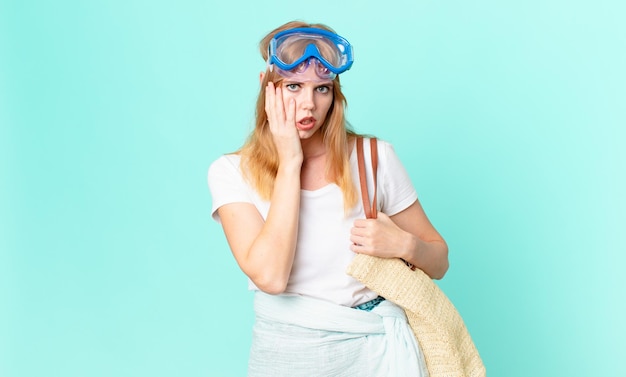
(408, 235)
(424, 246)
(265, 250)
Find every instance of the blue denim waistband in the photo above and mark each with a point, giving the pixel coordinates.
(368, 306)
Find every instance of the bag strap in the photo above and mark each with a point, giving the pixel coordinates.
(371, 210)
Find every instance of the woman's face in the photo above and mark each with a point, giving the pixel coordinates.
(313, 99)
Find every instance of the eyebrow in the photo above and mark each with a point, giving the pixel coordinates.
(318, 83)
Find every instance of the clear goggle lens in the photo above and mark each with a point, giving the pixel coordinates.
(322, 73)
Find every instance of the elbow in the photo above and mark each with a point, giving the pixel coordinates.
(273, 289)
(269, 280)
(271, 285)
(441, 271)
(443, 264)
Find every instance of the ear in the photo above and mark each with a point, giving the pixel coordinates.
(261, 76)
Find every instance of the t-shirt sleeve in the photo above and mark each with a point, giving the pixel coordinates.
(394, 182)
(227, 184)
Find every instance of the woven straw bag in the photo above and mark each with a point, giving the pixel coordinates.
(437, 325)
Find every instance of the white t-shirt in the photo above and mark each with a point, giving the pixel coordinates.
(323, 246)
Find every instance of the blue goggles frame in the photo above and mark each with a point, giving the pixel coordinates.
(342, 46)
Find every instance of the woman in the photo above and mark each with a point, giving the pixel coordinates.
(288, 204)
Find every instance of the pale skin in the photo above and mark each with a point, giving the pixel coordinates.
(265, 250)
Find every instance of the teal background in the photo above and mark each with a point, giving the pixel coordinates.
(509, 117)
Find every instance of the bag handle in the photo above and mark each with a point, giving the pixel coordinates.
(371, 210)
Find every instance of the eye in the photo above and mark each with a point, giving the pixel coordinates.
(323, 89)
(292, 87)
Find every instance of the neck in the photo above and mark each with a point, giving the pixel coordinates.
(313, 147)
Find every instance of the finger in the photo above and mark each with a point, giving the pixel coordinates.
(279, 106)
(360, 249)
(358, 223)
(358, 232)
(269, 94)
(356, 239)
(361, 223)
(383, 218)
(270, 99)
(291, 112)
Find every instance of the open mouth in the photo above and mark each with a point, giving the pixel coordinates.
(306, 123)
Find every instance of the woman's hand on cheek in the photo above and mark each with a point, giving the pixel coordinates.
(379, 237)
(281, 117)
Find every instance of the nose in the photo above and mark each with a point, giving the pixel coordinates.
(307, 100)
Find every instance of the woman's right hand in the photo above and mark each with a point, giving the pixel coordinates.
(282, 125)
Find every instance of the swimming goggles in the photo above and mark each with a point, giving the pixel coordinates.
(292, 51)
